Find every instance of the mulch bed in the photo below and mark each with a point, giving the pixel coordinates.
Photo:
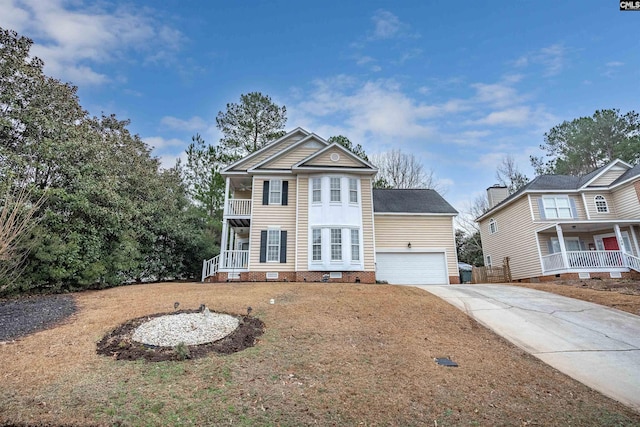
(24, 316)
(119, 344)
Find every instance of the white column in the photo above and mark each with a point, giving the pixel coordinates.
(232, 239)
(619, 238)
(635, 239)
(563, 249)
(226, 196)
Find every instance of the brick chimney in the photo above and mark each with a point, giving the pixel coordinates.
(496, 194)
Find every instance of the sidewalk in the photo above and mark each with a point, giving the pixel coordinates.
(593, 344)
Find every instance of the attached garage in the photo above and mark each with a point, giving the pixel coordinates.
(411, 268)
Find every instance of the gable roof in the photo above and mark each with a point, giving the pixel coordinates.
(568, 183)
(309, 138)
(305, 163)
(416, 201)
(269, 146)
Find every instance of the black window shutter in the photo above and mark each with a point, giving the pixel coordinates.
(285, 193)
(265, 194)
(283, 246)
(263, 246)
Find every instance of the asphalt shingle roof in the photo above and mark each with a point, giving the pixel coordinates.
(410, 201)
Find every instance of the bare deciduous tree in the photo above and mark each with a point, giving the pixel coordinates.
(17, 217)
(401, 170)
(507, 174)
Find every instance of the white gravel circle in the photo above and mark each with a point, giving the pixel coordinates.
(187, 328)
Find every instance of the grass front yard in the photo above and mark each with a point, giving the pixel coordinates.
(331, 354)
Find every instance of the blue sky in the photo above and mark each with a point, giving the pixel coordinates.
(458, 84)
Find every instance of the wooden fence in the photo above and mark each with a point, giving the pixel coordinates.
(492, 274)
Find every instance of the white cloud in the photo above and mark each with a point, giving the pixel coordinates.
(73, 39)
(387, 25)
(193, 124)
(497, 94)
(159, 143)
(551, 58)
(378, 108)
(611, 68)
(517, 116)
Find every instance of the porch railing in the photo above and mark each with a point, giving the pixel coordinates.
(590, 259)
(632, 262)
(234, 259)
(210, 267)
(239, 207)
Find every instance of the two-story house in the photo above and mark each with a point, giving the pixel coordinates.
(302, 209)
(567, 226)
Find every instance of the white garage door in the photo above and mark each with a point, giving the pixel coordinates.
(403, 268)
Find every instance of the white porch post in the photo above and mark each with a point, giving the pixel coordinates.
(563, 249)
(619, 238)
(225, 227)
(232, 238)
(635, 239)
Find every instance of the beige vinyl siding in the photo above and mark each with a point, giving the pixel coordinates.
(545, 238)
(325, 160)
(591, 205)
(608, 177)
(264, 216)
(535, 199)
(291, 158)
(627, 202)
(238, 194)
(424, 232)
(516, 239)
(303, 222)
(243, 166)
(367, 224)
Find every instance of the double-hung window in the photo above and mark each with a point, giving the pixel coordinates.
(273, 245)
(316, 190)
(353, 190)
(557, 207)
(336, 244)
(493, 226)
(335, 189)
(316, 239)
(355, 245)
(275, 192)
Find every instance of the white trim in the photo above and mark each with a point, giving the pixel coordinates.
(281, 153)
(267, 146)
(334, 169)
(586, 206)
(606, 204)
(415, 213)
(494, 229)
(632, 228)
(339, 147)
(605, 170)
(533, 218)
(373, 228)
(412, 249)
(540, 264)
(295, 257)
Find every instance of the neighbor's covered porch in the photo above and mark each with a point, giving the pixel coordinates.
(589, 247)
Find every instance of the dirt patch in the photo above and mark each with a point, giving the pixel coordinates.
(620, 294)
(119, 345)
(20, 317)
(331, 354)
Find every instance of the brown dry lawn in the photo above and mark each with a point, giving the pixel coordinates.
(332, 354)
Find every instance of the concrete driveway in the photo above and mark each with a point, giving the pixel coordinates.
(596, 345)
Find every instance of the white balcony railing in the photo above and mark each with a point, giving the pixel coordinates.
(210, 267)
(239, 207)
(589, 260)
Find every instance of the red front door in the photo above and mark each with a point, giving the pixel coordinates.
(610, 244)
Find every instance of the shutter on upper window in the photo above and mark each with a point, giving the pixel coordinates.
(265, 193)
(283, 247)
(285, 193)
(263, 246)
(541, 208)
(574, 210)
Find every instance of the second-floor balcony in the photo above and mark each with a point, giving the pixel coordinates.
(238, 212)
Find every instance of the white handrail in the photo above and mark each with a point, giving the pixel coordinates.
(239, 207)
(632, 262)
(210, 267)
